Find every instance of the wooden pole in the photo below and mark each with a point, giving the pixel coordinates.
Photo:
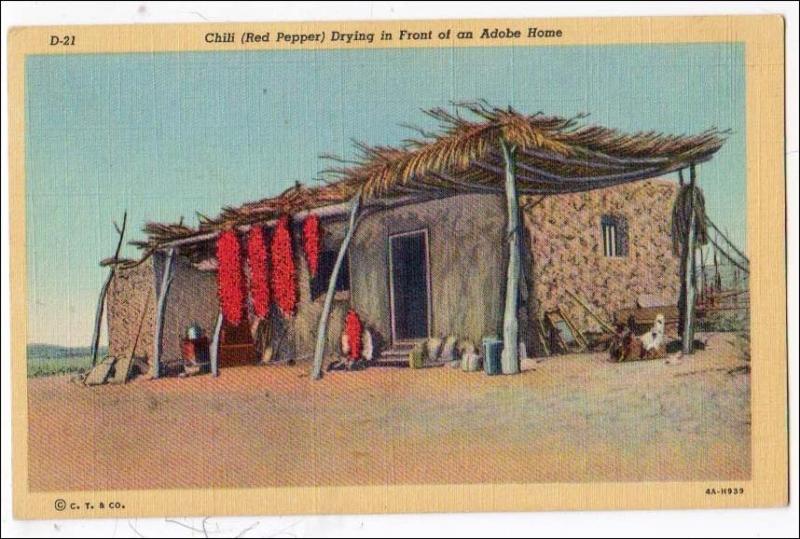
(509, 359)
(214, 352)
(166, 280)
(322, 327)
(101, 301)
(702, 275)
(688, 275)
(727, 240)
(98, 315)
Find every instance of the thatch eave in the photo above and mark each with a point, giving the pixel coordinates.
(554, 155)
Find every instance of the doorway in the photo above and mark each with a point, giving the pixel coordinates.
(409, 286)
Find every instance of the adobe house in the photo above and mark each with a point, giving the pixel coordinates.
(479, 229)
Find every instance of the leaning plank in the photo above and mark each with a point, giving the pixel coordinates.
(579, 338)
(101, 372)
(98, 315)
(509, 358)
(166, 280)
(543, 336)
(552, 319)
(322, 328)
(605, 325)
(101, 301)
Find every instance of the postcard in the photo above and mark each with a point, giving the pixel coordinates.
(398, 266)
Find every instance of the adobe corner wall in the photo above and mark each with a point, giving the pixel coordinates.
(131, 295)
(567, 247)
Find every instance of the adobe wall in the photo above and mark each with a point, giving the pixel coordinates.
(296, 337)
(466, 252)
(191, 298)
(131, 292)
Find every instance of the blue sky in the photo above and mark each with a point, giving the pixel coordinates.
(166, 134)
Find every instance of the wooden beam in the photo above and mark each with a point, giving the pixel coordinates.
(509, 359)
(166, 280)
(727, 256)
(214, 352)
(333, 210)
(322, 327)
(727, 241)
(550, 178)
(542, 335)
(587, 162)
(561, 184)
(101, 301)
(687, 340)
(558, 179)
(465, 185)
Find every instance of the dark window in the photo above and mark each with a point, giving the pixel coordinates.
(319, 284)
(614, 230)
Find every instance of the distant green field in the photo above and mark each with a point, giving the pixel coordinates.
(42, 366)
(47, 360)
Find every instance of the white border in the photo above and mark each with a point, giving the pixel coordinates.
(761, 522)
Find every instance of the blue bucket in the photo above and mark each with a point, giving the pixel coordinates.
(492, 349)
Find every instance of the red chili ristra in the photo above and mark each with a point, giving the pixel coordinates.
(230, 281)
(259, 271)
(284, 287)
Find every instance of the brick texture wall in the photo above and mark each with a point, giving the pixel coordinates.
(567, 247)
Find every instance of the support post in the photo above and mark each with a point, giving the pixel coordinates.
(166, 280)
(101, 301)
(509, 359)
(214, 352)
(687, 345)
(98, 315)
(322, 327)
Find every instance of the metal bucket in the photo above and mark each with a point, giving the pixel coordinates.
(492, 349)
(194, 332)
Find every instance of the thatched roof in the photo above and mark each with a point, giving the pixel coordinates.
(553, 155)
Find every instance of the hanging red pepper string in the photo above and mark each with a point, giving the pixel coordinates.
(353, 327)
(284, 287)
(311, 243)
(259, 271)
(230, 281)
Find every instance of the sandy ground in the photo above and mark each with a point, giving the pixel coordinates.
(566, 419)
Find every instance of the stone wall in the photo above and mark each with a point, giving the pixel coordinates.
(131, 291)
(567, 247)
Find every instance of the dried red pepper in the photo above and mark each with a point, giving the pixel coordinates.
(284, 286)
(259, 271)
(311, 243)
(353, 328)
(230, 279)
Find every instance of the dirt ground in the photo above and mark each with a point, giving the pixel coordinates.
(565, 419)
